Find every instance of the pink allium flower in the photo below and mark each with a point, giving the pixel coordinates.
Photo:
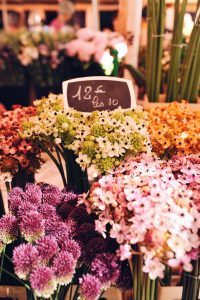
(25, 258)
(15, 199)
(32, 226)
(51, 195)
(47, 248)
(32, 193)
(90, 287)
(42, 282)
(8, 229)
(64, 267)
(24, 208)
(105, 266)
(72, 247)
(47, 211)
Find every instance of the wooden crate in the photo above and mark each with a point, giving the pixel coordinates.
(14, 292)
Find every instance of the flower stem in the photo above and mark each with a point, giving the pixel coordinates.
(2, 261)
(15, 277)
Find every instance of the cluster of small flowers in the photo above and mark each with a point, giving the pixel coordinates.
(101, 139)
(174, 129)
(59, 236)
(16, 151)
(91, 44)
(146, 203)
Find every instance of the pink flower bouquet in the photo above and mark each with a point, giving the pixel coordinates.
(150, 208)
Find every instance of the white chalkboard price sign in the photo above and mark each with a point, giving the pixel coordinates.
(88, 94)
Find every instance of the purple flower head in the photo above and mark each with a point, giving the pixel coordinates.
(47, 211)
(25, 258)
(92, 248)
(86, 232)
(61, 232)
(51, 224)
(47, 247)
(32, 226)
(72, 247)
(42, 282)
(32, 193)
(90, 287)
(80, 215)
(15, 199)
(51, 195)
(24, 208)
(70, 196)
(8, 229)
(65, 209)
(125, 281)
(64, 267)
(105, 266)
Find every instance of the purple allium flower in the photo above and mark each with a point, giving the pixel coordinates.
(125, 281)
(25, 258)
(42, 282)
(105, 266)
(15, 199)
(61, 232)
(70, 196)
(51, 195)
(32, 226)
(64, 267)
(86, 232)
(72, 247)
(80, 215)
(65, 209)
(24, 208)
(90, 287)
(8, 229)
(47, 247)
(32, 193)
(47, 211)
(93, 247)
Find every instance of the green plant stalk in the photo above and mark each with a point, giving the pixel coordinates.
(2, 261)
(193, 71)
(15, 277)
(187, 64)
(176, 51)
(59, 167)
(156, 12)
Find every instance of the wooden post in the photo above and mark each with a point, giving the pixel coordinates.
(133, 28)
(5, 15)
(95, 15)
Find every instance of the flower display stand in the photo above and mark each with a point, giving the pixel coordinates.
(13, 292)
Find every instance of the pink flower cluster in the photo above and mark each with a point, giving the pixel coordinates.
(90, 44)
(154, 204)
(59, 236)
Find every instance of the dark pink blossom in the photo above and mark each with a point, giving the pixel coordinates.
(25, 258)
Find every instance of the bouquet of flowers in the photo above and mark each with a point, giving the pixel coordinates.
(152, 215)
(17, 154)
(102, 139)
(59, 246)
(174, 129)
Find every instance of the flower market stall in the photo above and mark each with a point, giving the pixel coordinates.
(100, 190)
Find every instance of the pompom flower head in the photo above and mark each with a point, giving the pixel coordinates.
(64, 267)
(8, 229)
(51, 195)
(32, 194)
(47, 248)
(42, 281)
(32, 226)
(25, 258)
(90, 287)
